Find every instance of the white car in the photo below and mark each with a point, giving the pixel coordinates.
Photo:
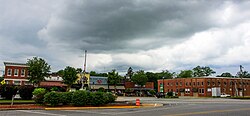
(225, 95)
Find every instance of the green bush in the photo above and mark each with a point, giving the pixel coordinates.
(109, 98)
(39, 95)
(152, 92)
(101, 89)
(25, 92)
(52, 98)
(170, 93)
(80, 98)
(66, 97)
(98, 99)
(7, 91)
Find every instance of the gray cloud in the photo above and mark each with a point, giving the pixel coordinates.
(145, 34)
(113, 25)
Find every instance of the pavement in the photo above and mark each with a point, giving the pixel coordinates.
(129, 105)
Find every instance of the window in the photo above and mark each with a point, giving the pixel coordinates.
(17, 82)
(208, 83)
(186, 83)
(22, 72)
(201, 91)
(9, 72)
(194, 83)
(190, 83)
(219, 83)
(180, 83)
(16, 72)
(202, 83)
(225, 83)
(209, 89)
(198, 83)
(187, 91)
(176, 83)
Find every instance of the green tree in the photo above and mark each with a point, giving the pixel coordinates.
(114, 78)
(38, 70)
(93, 73)
(202, 71)
(166, 74)
(153, 77)
(140, 78)
(69, 76)
(129, 73)
(1, 78)
(225, 74)
(185, 74)
(245, 74)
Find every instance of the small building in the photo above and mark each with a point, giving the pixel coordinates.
(97, 82)
(134, 89)
(202, 86)
(16, 73)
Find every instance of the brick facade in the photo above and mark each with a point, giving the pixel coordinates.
(199, 87)
(16, 73)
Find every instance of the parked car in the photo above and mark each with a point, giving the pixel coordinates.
(160, 95)
(225, 95)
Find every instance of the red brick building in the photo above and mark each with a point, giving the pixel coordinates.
(202, 86)
(16, 73)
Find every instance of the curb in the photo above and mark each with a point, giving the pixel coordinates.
(104, 107)
(85, 108)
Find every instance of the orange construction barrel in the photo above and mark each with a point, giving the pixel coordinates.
(137, 102)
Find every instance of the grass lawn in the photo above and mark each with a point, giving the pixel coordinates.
(16, 101)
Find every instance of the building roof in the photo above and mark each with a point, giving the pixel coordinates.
(208, 78)
(52, 83)
(15, 64)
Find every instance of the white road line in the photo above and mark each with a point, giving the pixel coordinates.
(117, 113)
(43, 113)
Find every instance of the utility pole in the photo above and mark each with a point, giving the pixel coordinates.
(84, 70)
(241, 74)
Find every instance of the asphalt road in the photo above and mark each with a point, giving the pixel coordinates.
(172, 107)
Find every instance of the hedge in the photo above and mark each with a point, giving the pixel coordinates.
(39, 95)
(77, 98)
(80, 98)
(25, 92)
(52, 98)
(7, 91)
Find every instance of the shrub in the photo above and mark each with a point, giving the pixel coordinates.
(80, 98)
(98, 99)
(152, 92)
(52, 98)
(39, 95)
(101, 89)
(109, 98)
(7, 91)
(25, 92)
(66, 97)
(170, 93)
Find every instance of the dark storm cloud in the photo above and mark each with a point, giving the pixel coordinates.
(116, 25)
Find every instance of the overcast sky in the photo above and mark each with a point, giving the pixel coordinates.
(151, 35)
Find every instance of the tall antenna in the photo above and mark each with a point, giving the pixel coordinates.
(85, 61)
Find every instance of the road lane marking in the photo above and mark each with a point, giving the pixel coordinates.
(43, 113)
(207, 112)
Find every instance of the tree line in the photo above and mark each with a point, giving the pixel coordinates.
(39, 69)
